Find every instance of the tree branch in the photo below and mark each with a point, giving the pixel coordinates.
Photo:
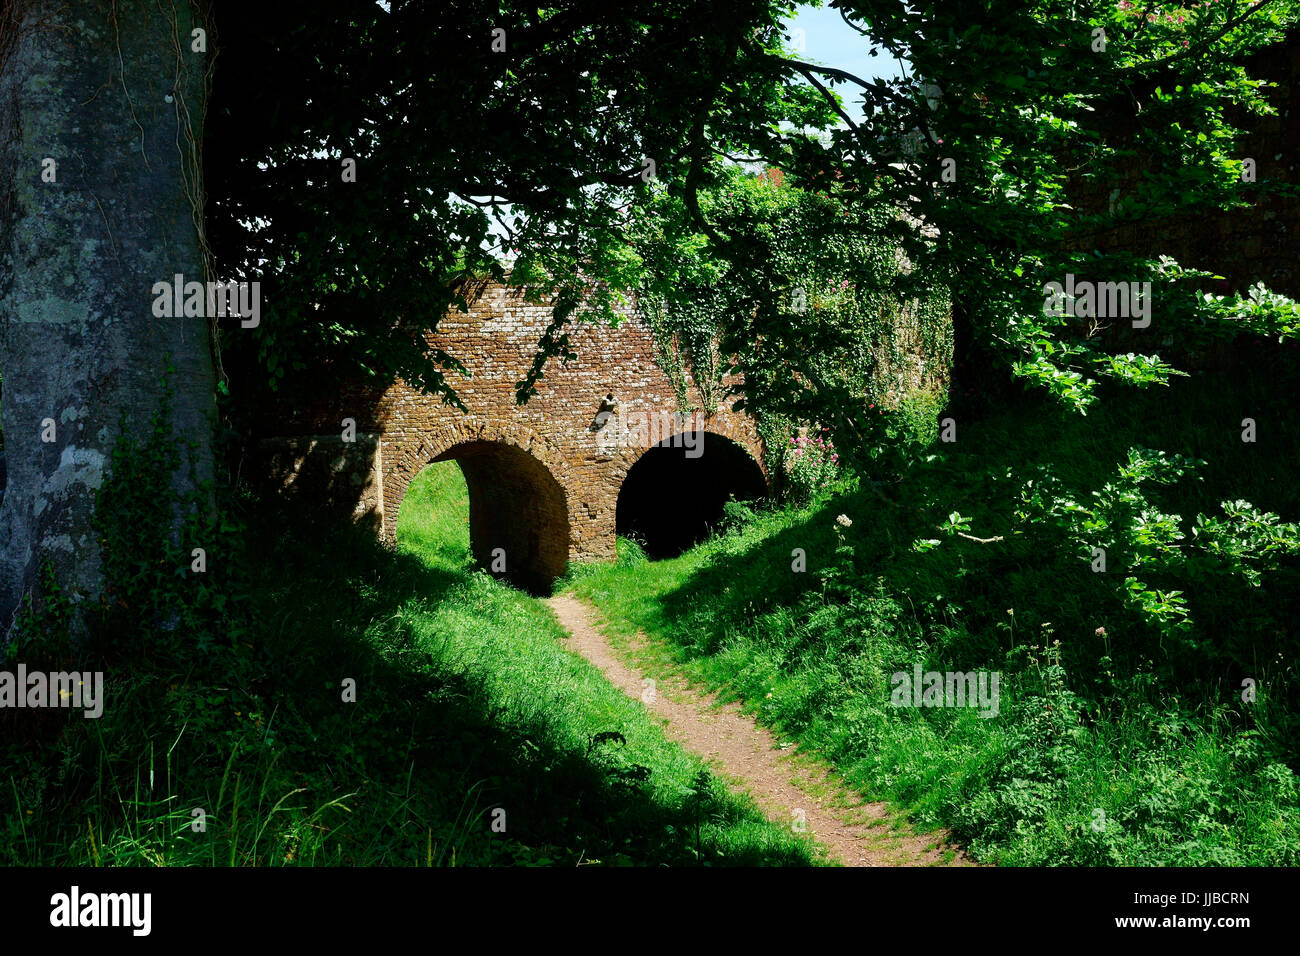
(1200, 48)
(805, 68)
(826, 94)
(971, 537)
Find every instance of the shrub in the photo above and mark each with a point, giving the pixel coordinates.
(736, 516)
(811, 466)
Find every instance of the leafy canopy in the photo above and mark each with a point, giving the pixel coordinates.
(466, 157)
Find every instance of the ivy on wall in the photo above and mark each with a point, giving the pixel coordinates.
(803, 302)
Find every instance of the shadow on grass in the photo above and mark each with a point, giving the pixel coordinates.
(445, 747)
(959, 595)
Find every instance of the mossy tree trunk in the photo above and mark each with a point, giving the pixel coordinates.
(101, 106)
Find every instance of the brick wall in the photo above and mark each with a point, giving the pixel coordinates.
(543, 480)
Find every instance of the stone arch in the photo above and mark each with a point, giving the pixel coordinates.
(519, 491)
(671, 495)
(736, 428)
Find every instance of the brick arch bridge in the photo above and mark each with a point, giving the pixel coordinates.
(545, 477)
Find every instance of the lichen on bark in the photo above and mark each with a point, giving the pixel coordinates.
(87, 85)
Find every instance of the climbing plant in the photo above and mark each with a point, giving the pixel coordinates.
(668, 349)
(173, 566)
(822, 268)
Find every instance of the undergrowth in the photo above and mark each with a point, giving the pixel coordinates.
(1138, 725)
(334, 703)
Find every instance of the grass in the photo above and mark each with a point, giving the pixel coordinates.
(1122, 749)
(474, 738)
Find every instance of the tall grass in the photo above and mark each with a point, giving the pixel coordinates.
(474, 738)
(1110, 746)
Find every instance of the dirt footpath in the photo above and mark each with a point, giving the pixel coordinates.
(793, 790)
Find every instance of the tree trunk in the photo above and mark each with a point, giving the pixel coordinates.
(112, 92)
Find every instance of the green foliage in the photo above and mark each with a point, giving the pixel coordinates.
(903, 434)
(630, 551)
(1139, 538)
(799, 297)
(1259, 311)
(465, 703)
(1247, 542)
(671, 354)
(173, 644)
(154, 595)
(1006, 129)
(736, 516)
(811, 466)
(149, 543)
(1123, 736)
(561, 143)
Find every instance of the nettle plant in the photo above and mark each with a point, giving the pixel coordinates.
(1123, 532)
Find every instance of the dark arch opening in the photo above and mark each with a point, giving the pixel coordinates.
(518, 517)
(670, 502)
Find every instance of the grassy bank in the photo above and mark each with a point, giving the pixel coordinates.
(1116, 741)
(380, 709)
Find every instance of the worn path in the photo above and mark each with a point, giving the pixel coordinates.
(790, 788)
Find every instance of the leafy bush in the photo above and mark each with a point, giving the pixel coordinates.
(1126, 734)
(736, 516)
(630, 551)
(903, 434)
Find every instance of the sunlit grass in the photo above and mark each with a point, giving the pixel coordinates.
(1141, 766)
(474, 738)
